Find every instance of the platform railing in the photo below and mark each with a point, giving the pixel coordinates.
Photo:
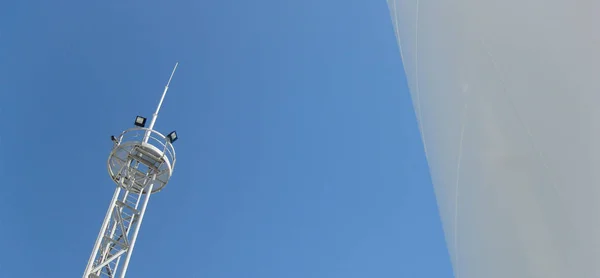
(155, 139)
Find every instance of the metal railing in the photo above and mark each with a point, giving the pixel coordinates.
(155, 139)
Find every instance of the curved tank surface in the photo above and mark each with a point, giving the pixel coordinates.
(507, 96)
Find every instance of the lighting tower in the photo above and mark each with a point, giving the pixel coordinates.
(141, 162)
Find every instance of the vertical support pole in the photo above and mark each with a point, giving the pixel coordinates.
(137, 203)
(107, 219)
(114, 229)
(137, 228)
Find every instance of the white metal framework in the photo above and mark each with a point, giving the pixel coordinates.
(141, 163)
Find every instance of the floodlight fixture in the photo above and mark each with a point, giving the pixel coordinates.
(140, 121)
(172, 136)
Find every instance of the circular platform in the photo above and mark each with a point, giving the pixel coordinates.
(139, 157)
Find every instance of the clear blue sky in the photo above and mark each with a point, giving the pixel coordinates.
(299, 154)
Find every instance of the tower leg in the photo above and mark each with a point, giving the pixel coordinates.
(115, 242)
(136, 230)
(107, 219)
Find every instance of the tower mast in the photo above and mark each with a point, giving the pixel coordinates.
(141, 163)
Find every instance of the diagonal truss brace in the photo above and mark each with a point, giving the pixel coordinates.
(124, 216)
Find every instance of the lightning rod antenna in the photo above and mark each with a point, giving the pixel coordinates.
(162, 98)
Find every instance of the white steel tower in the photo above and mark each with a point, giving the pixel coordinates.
(141, 163)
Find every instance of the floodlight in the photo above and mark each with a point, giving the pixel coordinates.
(172, 136)
(140, 121)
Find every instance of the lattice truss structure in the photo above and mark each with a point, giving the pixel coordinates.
(139, 171)
(140, 168)
(115, 242)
